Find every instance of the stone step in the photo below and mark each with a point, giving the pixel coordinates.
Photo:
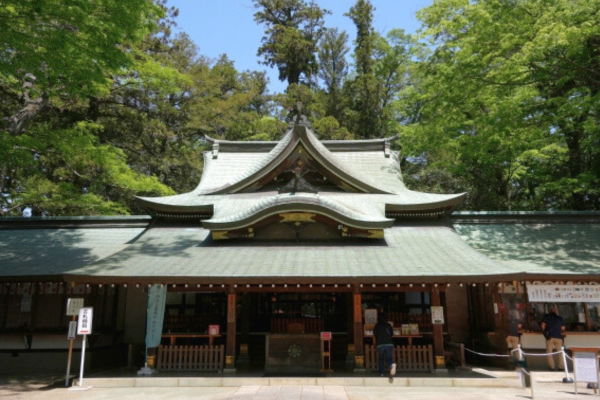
(498, 380)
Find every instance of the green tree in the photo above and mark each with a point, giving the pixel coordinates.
(509, 101)
(55, 64)
(51, 50)
(363, 91)
(333, 69)
(294, 28)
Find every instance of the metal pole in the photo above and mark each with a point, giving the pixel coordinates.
(82, 361)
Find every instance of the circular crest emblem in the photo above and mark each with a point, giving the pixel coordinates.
(294, 350)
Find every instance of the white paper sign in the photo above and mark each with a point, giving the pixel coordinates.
(73, 306)
(437, 314)
(84, 323)
(72, 329)
(585, 366)
(371, 316)
(548, 293)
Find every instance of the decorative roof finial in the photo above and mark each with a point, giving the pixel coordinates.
(297, 118)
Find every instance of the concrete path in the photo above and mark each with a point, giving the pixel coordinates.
(547, 386)
(553, 390)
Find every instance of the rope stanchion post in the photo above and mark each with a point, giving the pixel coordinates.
(567, 378)
(520, 352)
(524, 376)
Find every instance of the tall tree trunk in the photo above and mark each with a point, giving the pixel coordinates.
(30, 108)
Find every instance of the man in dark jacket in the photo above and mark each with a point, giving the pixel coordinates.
(383, 332)
(553, 327)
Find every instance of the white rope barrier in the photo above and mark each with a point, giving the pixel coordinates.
(510, 355)
(488, 354)
(521, 353)
(541, 354)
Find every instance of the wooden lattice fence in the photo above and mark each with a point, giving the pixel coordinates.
(190, 358)
(407, 358)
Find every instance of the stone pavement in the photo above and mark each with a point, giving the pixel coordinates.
(547, 385)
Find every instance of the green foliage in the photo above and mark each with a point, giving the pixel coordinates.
(66, 172)
(328, 128)
(70, 47)
(99, 103)
(509, 83)
(87, 145)
(333, 69)
(290, 43)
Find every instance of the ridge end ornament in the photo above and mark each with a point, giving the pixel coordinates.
(297, 118)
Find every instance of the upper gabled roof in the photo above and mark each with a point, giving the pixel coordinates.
(362, 178)
(251, 169)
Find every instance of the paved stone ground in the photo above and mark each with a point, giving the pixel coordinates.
(547, 386)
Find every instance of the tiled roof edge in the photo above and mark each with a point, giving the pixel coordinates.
(512, 217)
(75, 222)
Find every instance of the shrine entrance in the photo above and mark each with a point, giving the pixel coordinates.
(257, 329)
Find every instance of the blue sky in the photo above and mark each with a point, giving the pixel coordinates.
(227, 26)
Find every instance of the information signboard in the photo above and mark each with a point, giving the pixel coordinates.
(585, 365)
(371, 316)
(72, 329)
(437, 314)
(84, 324)
(73, 306)
(565, 293)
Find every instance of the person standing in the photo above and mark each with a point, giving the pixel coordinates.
(553, 327)
(383, 332)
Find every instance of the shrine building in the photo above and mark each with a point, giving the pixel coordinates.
(284, 246)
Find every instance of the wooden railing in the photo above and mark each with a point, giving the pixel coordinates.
(311, 325)
(190, 358)
(407, 358)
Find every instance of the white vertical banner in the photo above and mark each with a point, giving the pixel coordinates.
(157, 297)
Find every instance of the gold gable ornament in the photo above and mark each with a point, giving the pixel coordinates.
(297, 217)
(220, 235)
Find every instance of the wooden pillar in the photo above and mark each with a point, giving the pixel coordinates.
(359, 358)
(246, 311)
(438, 331)
(230, 344)
(501, 317)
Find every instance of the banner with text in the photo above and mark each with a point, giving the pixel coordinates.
(549, 293)
(157, 297)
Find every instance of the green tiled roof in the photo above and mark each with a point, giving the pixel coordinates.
(408, 254)
(476, 251)
(538, 248)
(51, 252)
(370, 166)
